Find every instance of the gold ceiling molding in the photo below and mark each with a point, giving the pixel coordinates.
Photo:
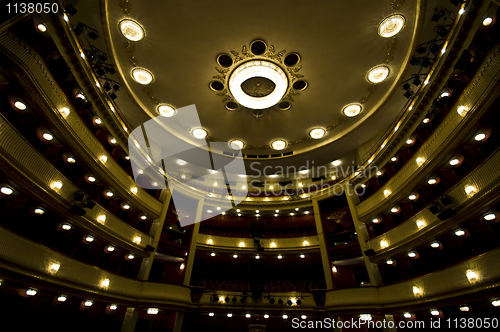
(289, 96)
(293, 72)
(130, 48)
(125, 6)
(149, 92)
(391, 47)
(271, 54)
(396, 4)
(222, 72)
(244, 55)
(371, 90)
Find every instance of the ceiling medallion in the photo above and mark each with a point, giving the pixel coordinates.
(131, 30)
(258, 78)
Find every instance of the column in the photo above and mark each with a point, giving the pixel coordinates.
(194, 241)
(325, 258)
(362, 232)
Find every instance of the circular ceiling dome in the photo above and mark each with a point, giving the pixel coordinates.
(378, 74)
(131, 30)
(391, 26)
(267, 73)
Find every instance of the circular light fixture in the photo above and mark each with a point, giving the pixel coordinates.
(351, 110)
(460, 232)
(236, 144)
(261, 69)
(391, 26)
(166, 110)
(20, 105)
(317, 133)
(487, 21)
(432, 181)
(142, 76)
(426, 120)
(377, 74)
(39, 211)
(199, 133)
(91, 179)
(181, 162)
(131, 30)
(454, 162)
(278, 144)
(435, 245)
(71, 160)
(336, 163)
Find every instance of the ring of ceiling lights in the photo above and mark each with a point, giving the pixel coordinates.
(258, 68)
(134, 32)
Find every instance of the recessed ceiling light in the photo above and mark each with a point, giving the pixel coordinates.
(142, 76)
(112, 140)
(409, 141)
(6, 191)
(20, 105)
(39, 211)
(199, 133)
(131, 30)
(407, 315)
(89, 238)
(391, 26)
(378, 74)
(263, 69)
(71, 160)
(166, 110)
(317, 133)
(98, 121)
(351, 110)
(480, 137)
(454, 162)
(487, 21)
(426, 120)
(394, 159)
(91, 178)
(302, 256)
(489, 216)
(181, 162)
(48, 137)
(460, 232)
(278, 144)
(435, 245)
(42, 28)
(336, 163)
(236, 144)
(432, 181)
(66, 227)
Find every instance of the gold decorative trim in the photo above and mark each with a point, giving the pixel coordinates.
(130, 48)
(244, 55)
(125, 6)
(391, 47)
(293, 72)
(271, 54)
(396, 4)
(337, 216)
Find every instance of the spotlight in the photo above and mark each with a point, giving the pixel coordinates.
(421, 49)
(434, 48)
(417, 81)
(78, 29)
(426, 63)
(100, 72)
(280, 301)
(93, 35)
(70, 10)
(442, 32)
(414, 61)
